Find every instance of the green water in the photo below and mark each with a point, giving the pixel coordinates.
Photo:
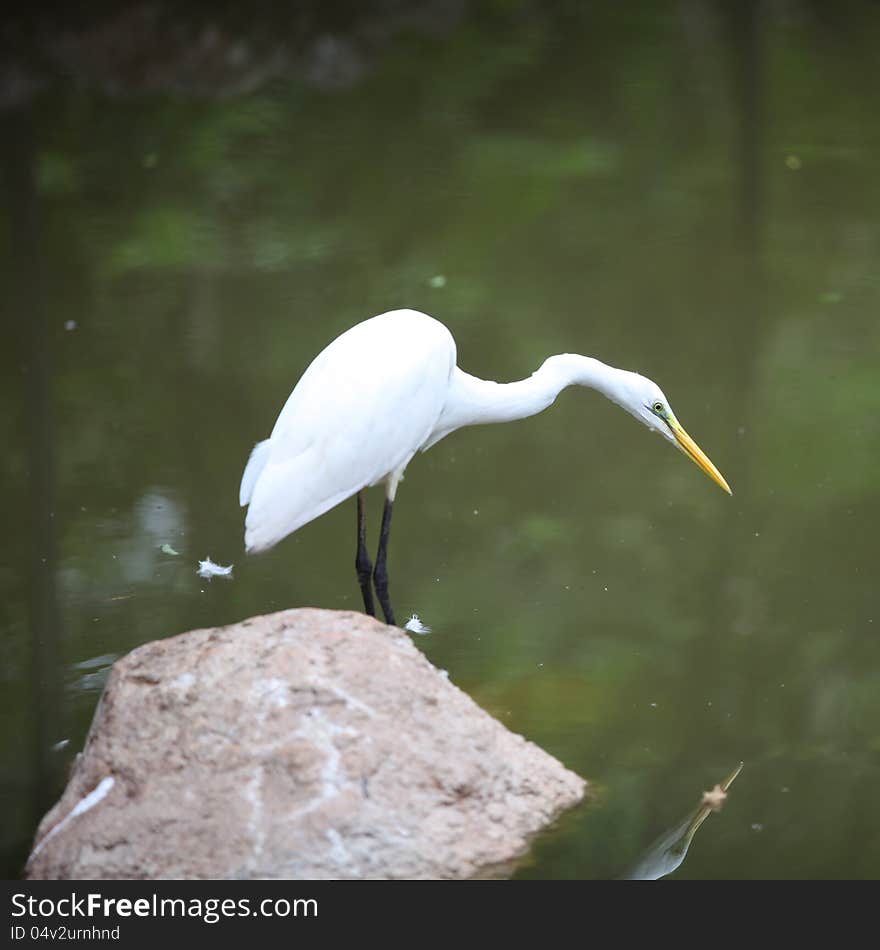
(689, 190)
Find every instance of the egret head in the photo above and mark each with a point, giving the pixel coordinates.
(644, 399)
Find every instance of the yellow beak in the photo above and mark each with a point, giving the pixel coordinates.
(696, 454)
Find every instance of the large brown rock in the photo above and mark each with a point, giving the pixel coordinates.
(302, 744)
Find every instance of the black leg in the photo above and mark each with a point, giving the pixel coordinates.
(362, 562)
(380, 574)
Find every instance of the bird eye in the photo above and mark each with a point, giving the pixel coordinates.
(658, 408)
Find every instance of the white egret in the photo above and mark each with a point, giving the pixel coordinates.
(386, 389)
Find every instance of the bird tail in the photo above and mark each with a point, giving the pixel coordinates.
(256, 464)
(286, 496)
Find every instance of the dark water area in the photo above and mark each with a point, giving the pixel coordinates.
(691, 190)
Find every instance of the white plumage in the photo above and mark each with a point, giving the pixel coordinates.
(359, 413)
(387, 388)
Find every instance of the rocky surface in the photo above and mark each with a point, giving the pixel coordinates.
(302, 744)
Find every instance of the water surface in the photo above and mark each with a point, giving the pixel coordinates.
(689, 190)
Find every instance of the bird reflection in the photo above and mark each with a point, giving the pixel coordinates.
(668, 852)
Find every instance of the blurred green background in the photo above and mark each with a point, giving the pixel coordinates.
(196, 200)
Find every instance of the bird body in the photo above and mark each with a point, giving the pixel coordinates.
(387, 388)
(363, 408)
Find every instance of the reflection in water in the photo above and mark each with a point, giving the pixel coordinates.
(668, 852)
(91, 674)
(29, 311)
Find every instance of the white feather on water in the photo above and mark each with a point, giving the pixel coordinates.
(209, 569)
(414, 625)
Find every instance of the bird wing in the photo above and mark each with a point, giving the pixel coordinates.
(256, 463)
(360, 411)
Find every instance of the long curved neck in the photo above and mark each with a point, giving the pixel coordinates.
(473, 401)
